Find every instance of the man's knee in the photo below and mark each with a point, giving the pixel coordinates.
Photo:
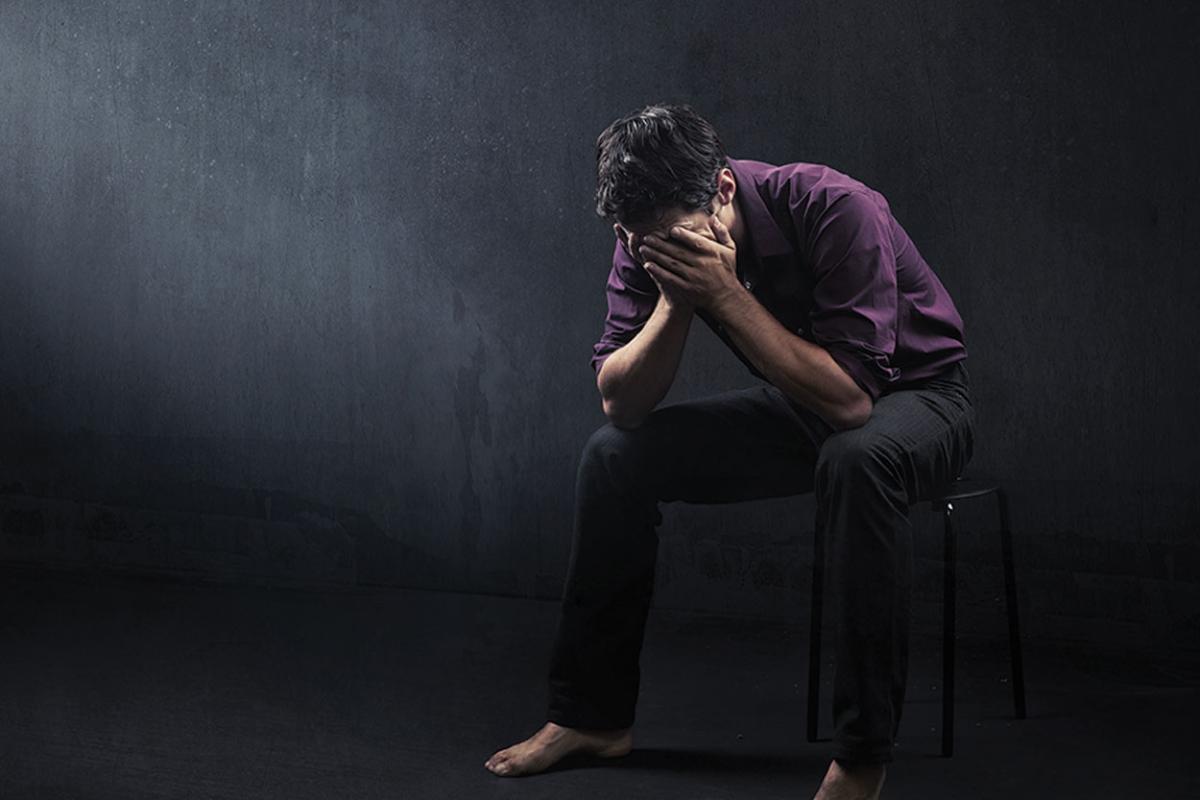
(611, 448)
(632, 456)
(607, 440)
(616, 462)
(857, 455)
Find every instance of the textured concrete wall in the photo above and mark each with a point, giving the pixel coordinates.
(306, 292)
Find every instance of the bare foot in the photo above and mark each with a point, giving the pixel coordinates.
(852, 782)
(553, 742)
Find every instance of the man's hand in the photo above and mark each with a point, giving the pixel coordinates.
(694, 268)
(668, 294)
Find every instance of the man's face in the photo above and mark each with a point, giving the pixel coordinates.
(632, 236)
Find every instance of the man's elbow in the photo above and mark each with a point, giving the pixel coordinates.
(856, 413)
(617, 412)
(619, 417)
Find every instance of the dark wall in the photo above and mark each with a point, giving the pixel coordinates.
(307, 292)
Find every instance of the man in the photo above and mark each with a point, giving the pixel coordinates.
(805, 274)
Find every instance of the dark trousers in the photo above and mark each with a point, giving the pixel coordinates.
(742, 445)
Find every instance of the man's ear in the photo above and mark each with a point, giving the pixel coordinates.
(726, 186)
(620, 232)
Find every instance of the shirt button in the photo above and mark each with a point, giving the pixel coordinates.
(748, 284)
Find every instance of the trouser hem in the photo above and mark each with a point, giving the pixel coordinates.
(860, 758)
(585, 719)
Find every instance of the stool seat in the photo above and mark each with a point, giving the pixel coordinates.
(963, 488)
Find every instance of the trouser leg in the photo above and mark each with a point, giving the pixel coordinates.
(733, 446)
(866, 479)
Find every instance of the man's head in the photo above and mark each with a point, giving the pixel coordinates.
(661, 166)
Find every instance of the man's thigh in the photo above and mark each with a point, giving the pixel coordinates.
(926, 434)
(742, 444)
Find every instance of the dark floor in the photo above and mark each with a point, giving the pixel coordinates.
(125, 687)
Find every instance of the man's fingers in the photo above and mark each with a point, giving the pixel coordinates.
(692, 239)
(662, 276)
(664, 258)
(665, 246)
(720, 231)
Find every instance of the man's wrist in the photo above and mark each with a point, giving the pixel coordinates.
(729, 301)
(676, 307)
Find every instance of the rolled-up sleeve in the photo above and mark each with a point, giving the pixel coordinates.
(855, 300)
(632, 295)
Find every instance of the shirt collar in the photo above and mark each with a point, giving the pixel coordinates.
(764, 231)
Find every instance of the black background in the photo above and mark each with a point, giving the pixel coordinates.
(306, 293)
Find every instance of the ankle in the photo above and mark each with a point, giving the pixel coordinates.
(603, 732)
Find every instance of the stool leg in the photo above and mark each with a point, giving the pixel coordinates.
(1010, 590)
(814, 634)
(950, 573)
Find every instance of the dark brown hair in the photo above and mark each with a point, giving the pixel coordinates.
(661, 156)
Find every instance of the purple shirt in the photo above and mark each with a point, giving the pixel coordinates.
(828, 260)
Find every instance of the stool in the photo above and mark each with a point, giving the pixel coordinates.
(943, 501)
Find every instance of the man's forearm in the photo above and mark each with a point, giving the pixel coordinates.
(636, 377)
(802, 370)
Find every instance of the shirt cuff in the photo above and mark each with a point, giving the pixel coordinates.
(870, 371)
